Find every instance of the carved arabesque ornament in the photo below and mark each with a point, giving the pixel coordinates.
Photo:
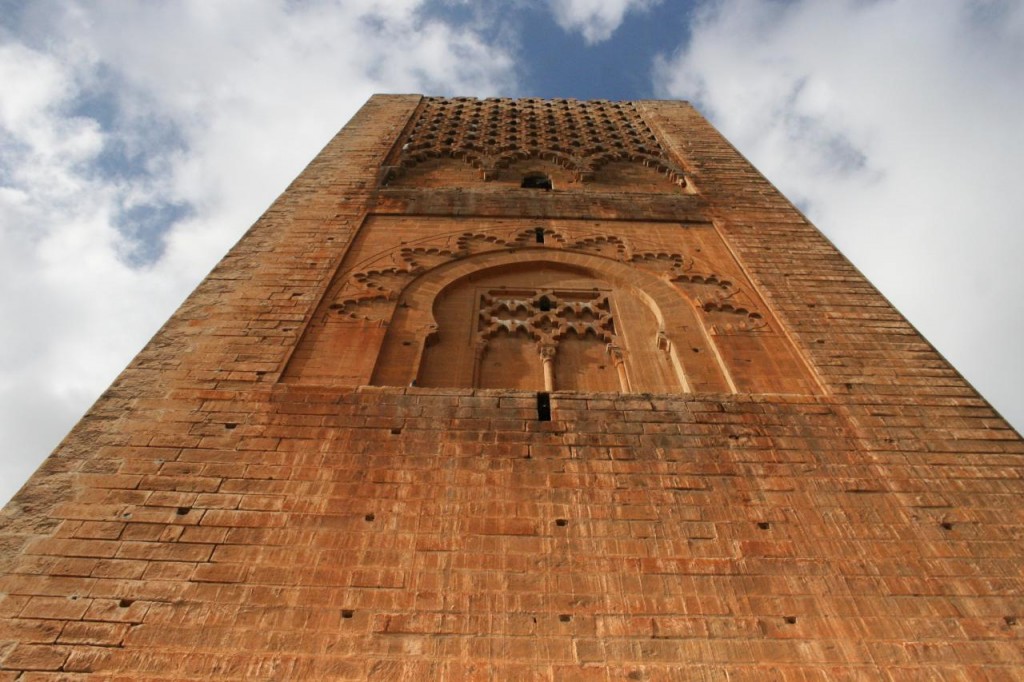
(491, 134)
(547, 317)
(370, 290)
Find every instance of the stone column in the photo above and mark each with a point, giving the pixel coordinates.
(619, 359)
(478, 356)
(547, 356)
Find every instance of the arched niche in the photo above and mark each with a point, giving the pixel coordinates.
(614, 327)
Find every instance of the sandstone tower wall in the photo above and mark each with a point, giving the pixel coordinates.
(423, 422)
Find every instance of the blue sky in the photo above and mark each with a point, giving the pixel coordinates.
(138, 141)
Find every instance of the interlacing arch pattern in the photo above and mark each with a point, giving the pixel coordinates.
(369, 290)
(491, 134)
(546, 316)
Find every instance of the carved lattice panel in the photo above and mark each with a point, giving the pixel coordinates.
(492, 134)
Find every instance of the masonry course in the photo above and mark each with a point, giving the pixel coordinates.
(236, 506)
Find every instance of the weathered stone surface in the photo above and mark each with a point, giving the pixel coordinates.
(784, 481)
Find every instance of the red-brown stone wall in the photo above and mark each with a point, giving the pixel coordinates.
(208, 520)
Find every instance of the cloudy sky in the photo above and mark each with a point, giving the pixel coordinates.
(139, 140)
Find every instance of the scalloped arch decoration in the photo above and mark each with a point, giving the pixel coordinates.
(492, 134)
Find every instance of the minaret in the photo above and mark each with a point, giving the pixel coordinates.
(526, 389)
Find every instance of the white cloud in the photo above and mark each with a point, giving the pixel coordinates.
(896, 125)
(198, 113)
(595, 20)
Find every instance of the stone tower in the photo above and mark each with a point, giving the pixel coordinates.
(526, 389)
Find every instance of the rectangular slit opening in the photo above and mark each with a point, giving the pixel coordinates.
(544, 407)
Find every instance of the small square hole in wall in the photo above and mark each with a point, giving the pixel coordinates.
(764, 525)
(564, 617)
(347, 613)
(790, 620)
(562, 522)
(369, 517)
(544, 407)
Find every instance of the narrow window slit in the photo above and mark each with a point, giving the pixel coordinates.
(544, 407)
(539, 234)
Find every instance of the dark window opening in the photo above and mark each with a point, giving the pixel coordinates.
(544, 407)
(544, 304)
(539, 234)
(537, 181)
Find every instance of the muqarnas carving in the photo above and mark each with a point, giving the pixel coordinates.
(493, 135)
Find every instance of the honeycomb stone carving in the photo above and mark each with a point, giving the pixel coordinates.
(491, 134)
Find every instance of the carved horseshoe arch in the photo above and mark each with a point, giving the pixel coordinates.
(428, 344)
